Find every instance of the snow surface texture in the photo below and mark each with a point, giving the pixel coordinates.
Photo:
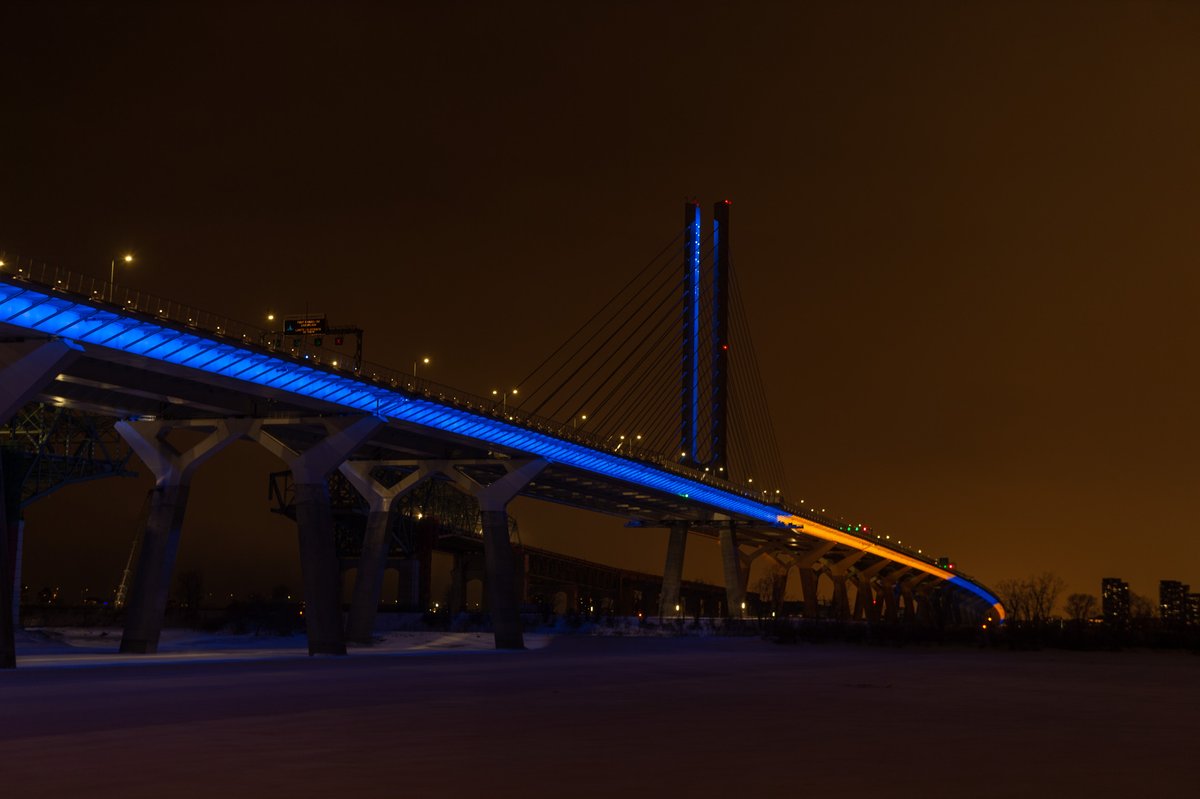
(610, 717)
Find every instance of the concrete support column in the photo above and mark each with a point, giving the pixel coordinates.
(319, 571)
(735, 577)
(841, 600)
(319, 567)
(368, 584)
(925, 602)
(809, 585)
(30, 366)
(891, 603)
(502, 583)
(156, 563)
(458, 584)
(806, 567)
(840, 572)
(8, 643)
(668, 598)
(172, 471)
(18, 555)
(501, 589)
(908, 588)
(409, 574)
(875, 611)
(864, 599)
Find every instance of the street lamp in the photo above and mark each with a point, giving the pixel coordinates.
(112, 272)
(503, 395)
(424, 361)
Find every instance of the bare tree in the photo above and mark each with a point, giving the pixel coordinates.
(1081, 607)
(1141, 609)
(1031, 600)
(1015, 596)
(771, 587)
(1043, 594)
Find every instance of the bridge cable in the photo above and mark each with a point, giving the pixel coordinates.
(613, 406)
(603, 344)
(659, 319)
(639, 275)
(767, 437)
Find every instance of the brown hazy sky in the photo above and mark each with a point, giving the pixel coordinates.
(966, 231)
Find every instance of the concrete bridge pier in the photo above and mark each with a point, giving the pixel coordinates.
(891, 604)
(9, 604)
(319, 566)
(908, 587)
(806, 567)
(457, 598)
(864, 598)
(925, 596)
(840, 600)
(840, 572)
(410, 575)
(465, 569)
(368, 583)
(31, 366)
(501, 562)
(672, 581)
(736, 573)
(173, 470)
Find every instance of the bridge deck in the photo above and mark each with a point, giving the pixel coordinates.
(139, 364)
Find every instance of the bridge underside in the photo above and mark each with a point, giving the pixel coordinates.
(123, 386)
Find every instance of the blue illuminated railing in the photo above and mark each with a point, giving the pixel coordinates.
(100, 313)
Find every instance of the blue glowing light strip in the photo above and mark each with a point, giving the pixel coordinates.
(694, 299)
(979, 592)
(59, 316)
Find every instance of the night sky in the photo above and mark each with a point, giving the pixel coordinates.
(966, 234)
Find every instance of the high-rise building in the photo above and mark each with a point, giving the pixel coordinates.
(1173, 603)
(1193, 609)
(1114, 601)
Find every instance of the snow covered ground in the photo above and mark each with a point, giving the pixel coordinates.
(93, 646)
(444, 715)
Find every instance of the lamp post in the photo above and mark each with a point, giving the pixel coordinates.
(112, 272)
(424, 361)
(503, 395)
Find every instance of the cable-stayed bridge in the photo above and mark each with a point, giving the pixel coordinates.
(652, 411)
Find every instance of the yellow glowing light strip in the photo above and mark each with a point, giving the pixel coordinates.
(818, 530)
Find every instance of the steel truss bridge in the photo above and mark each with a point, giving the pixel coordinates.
(161, 368)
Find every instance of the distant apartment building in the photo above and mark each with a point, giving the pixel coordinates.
(1173, 603)
(1114, 601)
(1194, 609)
